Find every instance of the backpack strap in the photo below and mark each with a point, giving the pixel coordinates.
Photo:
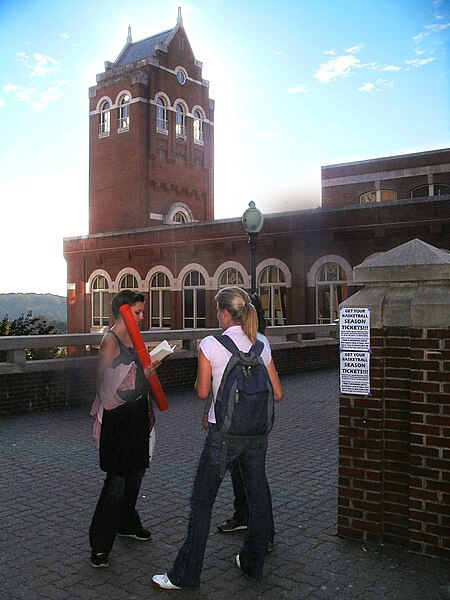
(228, 343)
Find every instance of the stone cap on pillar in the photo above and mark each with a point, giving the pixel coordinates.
(413, 261)
(408, 286)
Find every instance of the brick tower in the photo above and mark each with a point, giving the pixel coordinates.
(151, 137)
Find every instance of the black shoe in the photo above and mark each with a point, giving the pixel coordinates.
(100, 560)
(231, 525)
(143, 535)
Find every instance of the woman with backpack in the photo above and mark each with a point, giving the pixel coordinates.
(238, 319)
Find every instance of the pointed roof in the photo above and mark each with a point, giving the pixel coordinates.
(142, 49)
(133, 52)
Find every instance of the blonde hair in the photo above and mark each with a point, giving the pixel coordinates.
(237, 302)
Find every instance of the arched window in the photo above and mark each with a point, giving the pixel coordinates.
(100, 302)
(378, 196)
(159, 301)
(231, 276)
(129, 282)
(436, 189)
(272, 291)
(124, 112)
(198, 127)
(180, 127)
(179, 217)
(161, 115)
(194, 300)
(104, 123)
(331, 290)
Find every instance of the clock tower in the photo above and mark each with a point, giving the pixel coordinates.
(151, 138)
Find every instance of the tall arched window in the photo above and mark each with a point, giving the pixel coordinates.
(194, 300)
(180, 127)
(159, 301)
(100, 302)
(198, 127)
(231, 276)
(331, 290)
(161, 115)
(124, 112)
(272, 291)
(104, 123)
(129, 282)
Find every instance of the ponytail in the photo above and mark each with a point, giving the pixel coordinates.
(237, 302)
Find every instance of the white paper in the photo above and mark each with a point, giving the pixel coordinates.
(161, 351)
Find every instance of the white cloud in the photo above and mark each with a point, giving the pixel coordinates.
(390, 68)
(44, 65)
(437, 26)
(419, 62)
(340, 66)
(380, 85)
(38, 100)
(297, 89)
(64, 36)
(40, 65)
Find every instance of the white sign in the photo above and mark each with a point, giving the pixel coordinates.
(355, 373)
(354, 328)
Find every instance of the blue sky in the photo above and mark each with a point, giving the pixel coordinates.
(297, 84)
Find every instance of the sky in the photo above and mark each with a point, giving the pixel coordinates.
(297, 84)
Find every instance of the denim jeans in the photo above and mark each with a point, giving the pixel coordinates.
(251, 457)
(115, 511)
(240, 499)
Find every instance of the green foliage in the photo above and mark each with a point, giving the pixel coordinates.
(29, 325)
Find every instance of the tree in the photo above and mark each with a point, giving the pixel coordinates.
(29, 325)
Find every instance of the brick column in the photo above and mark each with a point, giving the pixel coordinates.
(394, 445)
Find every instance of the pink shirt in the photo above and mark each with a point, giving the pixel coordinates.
(219, 356)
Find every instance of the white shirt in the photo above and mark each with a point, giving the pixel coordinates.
(219, 356)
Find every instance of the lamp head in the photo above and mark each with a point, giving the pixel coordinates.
(252, 219)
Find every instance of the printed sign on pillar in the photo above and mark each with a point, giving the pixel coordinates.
(354, 344)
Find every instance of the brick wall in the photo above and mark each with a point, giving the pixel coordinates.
(394, 465)
(63, 388)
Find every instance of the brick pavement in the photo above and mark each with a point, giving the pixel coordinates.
(50, 482)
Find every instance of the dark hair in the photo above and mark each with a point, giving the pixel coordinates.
(125, 297)
(256, 301)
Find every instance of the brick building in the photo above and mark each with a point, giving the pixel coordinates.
(151, 216)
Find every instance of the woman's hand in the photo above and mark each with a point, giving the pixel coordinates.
(151, 370)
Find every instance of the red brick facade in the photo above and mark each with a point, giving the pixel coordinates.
(141, 177)
(395, 445)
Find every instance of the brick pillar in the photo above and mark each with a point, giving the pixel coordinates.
(394, 445)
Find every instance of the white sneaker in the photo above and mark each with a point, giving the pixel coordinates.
(163, 582)
(237, 560)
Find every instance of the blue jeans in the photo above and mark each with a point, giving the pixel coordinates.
(251, 457)
(115, 511)
(240, 499)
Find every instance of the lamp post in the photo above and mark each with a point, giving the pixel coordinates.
(252, 222)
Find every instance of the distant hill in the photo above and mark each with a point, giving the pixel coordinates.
(49, 306)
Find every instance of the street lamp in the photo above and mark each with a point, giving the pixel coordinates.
(252, 222)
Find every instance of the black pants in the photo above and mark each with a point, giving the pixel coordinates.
(115, 511)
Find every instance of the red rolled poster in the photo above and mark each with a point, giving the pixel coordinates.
(143, 355)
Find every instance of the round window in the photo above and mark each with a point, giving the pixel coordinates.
(181, 76)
